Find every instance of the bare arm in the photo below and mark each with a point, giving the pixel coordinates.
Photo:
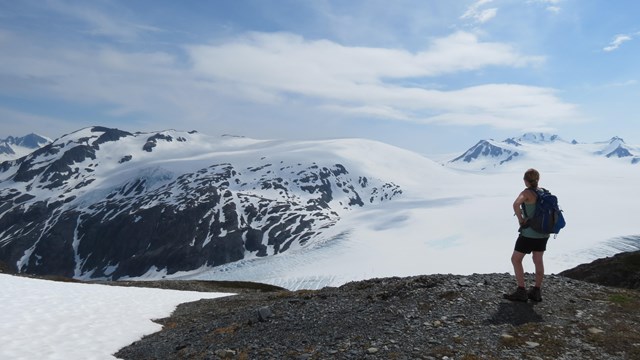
(521, 199)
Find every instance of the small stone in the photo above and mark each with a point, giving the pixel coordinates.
(532, 344)
(372, 350)
(594, 330)
(506, 337)
(225, 353)
(464, 282)
(264, 313)
(437, 323)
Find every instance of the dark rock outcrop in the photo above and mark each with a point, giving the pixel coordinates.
(620, 270)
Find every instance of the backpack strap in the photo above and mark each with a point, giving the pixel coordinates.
(524, 208)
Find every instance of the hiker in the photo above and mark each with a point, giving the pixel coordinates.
(529, 241)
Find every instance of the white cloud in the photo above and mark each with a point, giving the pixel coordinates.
(617, 41)
(506, 106)
(478, 15)
(282, 70)
(288, 62)
(361, 80)
(550, 5)
(554, 9)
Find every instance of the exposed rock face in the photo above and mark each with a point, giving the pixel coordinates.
(620, 270)
(62, 214)
(487, 149)
(422, 317)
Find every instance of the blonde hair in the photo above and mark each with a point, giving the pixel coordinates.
(532, 176)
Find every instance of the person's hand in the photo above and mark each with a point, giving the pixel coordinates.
(524, 223)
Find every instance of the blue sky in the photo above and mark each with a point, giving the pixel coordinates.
(432, 76)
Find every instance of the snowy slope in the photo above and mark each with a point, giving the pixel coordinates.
(54, 320)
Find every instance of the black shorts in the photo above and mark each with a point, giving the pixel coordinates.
(526, 245)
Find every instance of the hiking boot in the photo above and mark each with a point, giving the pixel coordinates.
(519, 295)
(534, 294)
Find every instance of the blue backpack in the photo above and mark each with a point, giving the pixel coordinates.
(548, 218)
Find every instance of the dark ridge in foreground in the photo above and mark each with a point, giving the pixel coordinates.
(621, 270)
(421, 317)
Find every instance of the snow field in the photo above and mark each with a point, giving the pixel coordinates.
(67, 321)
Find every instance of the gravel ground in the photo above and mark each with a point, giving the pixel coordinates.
(422, 317)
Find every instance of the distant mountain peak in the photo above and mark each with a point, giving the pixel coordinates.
(616, 148)
(488, 154)
(489, 149)
(538, 137)
(14, 147)
(616, 139)
(31, 141)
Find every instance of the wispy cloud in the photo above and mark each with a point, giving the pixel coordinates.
(617, 41)
(552, 6)
(99, 22)
(275, 71)
(359, 80)
(622, 84)
(476, 14)
(280, 59)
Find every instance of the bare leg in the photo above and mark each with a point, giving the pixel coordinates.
(518, 269)
(537, 261)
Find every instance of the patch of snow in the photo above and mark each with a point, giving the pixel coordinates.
(55, 320)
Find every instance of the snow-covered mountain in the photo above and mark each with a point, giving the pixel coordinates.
(617, 148)
(107, 203)
(17, 147)
(491, 154)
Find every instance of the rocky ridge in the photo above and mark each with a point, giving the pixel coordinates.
(421, 317)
